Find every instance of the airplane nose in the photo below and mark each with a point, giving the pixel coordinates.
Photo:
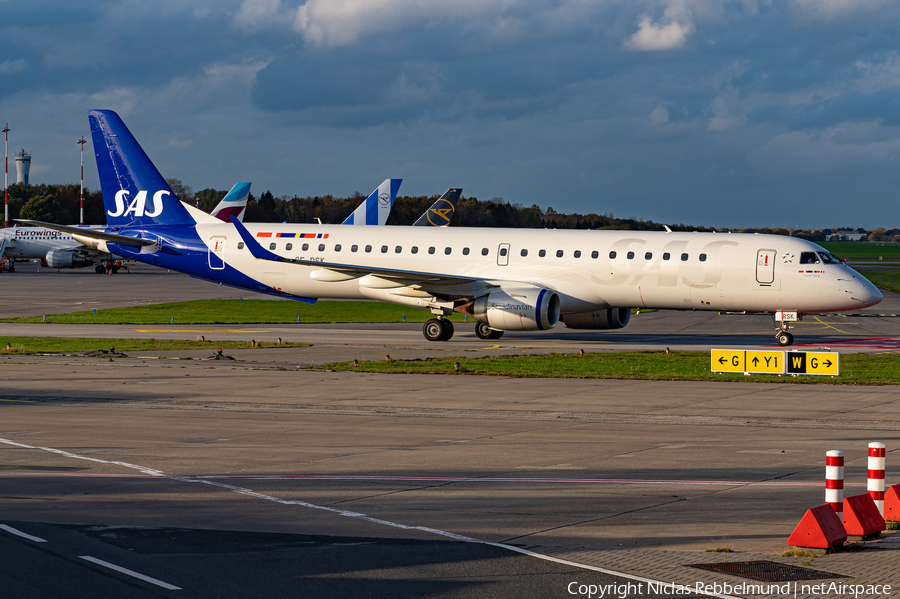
(868, 293)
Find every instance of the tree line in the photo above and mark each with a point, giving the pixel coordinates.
(59, 204)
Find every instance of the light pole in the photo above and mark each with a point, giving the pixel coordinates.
(6, 179)
(81, 143)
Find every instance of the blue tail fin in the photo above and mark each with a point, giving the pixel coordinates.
(377, 207)
(134, 192)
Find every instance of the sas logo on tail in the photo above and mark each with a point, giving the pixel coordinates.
(138, 206)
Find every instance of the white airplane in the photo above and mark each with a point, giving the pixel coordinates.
(59, 250)
(506, 279)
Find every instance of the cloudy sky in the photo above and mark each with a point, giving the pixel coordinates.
(712, 112)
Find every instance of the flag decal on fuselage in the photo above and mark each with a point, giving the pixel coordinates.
(295, 235)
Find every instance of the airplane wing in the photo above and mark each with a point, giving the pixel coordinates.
(90, 233)
(260, 253)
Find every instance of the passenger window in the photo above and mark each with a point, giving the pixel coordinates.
(354, 248)
(431, 250)
(612, 255)
(384, 249)
(289, 247)
(271, 246)
(559, 253)
(595, 254)
(648, 256)
(702, 257)
(398, 249)
(523, 253)
(337, 247)
(465, 251)
(542, 253)
(305, 247)
(447, 251)
(630, 255)
(240, 245)
(414, 249)
(368, 248)
(808, 258)
(577, 254)
(321, 247)
(684, 257)
(484, 251)
(666, 256)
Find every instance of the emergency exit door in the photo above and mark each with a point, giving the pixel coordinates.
(765, 267)
(503, 254)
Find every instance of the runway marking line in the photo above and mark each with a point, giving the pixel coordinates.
(138, 575)
(24, 535)
(347, 514)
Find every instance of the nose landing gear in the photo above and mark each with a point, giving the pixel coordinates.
(784, 338)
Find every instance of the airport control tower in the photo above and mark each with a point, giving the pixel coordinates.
(23, 165)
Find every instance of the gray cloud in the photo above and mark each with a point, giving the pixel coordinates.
(703, 111)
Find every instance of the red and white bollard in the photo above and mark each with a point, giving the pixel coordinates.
(876, 474)
(834, 480)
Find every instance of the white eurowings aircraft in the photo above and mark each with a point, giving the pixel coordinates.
(506, 279)
(59, 250)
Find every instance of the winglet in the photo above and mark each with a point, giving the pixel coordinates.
(256, 250)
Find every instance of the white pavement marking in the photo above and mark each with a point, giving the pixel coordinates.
(149, 471)
(344, 513)
(138, 575)
(12, 530)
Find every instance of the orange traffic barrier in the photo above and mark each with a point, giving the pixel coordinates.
(861, 516)
(892, 503)
(820, 528)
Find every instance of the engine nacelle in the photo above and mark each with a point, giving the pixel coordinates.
(611, 318)
(64, 259)
(522, 309)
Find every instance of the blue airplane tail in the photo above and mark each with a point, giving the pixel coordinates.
(377, 207)
(134, 192)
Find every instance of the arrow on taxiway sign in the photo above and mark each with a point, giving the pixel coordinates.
(722, 360)
(756, 361)
(827, 363)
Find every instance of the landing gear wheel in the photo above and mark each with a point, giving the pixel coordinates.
(448, 330)
(435, 329)
(784, 338)
(483, 331)
(99, 269)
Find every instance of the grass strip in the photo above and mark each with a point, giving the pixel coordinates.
(245, 312)
(862, 250)
(856, 369)
(252, 311)
(64, 345)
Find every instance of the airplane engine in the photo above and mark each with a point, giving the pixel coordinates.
(64, 259)
(611, 318)
(523, 309)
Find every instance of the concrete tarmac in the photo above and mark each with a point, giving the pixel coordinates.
(637, 478)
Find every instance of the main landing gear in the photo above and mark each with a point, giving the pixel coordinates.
(485, 332)
(438, 329)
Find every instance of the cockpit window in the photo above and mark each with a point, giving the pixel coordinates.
(809, 258)
(828, 258)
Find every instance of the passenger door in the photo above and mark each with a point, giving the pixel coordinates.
(765, 267)
(503, 255)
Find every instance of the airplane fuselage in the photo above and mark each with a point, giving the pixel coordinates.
(588, 269)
